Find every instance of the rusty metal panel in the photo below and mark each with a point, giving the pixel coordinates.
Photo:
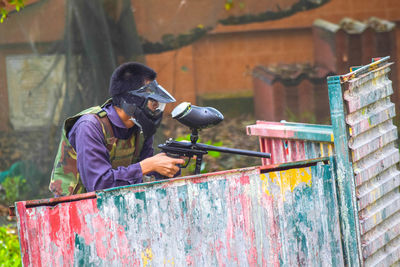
(290, 141)
(372, 146)
(270, 216)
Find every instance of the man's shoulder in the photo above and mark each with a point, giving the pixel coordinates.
(88, 119)
(87, 123)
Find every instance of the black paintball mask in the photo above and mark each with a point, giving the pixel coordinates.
(146, 105)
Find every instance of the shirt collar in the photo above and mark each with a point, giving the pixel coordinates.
(113, 116)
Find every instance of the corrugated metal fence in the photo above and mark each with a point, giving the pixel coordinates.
(367, 158)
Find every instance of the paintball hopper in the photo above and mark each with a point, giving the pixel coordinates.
(196, 117)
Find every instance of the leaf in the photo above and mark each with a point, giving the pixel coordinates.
(186, 138)
(19, 4)
(183, 138)
(214, 154)
(218, 143)
(4, 14)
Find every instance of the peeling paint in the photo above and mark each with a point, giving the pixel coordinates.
(221, 219)
(147, 257)
(374, 197)
(286, 180)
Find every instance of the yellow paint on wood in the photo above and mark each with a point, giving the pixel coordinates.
(147, 257)
(286, 180)
(169, 262)
(321, 147)
(330, 150)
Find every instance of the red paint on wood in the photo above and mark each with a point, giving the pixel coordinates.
(244, 180)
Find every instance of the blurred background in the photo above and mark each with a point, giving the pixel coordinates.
(251, 59)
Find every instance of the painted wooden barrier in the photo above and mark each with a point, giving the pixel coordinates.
(367, 157)
(290, 141)
(282, 215)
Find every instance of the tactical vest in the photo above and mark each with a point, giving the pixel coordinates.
(65, 178)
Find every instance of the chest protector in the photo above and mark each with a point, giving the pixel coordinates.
(65, 178)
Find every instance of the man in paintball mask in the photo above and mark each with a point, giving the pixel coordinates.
(112, 145)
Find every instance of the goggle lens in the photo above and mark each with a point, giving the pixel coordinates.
(155, 107)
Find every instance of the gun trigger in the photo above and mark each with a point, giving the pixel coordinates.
(187, 163)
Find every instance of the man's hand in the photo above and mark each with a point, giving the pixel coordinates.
(162, 164)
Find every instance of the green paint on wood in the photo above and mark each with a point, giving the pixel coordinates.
(303, 206)
(345, 179)
(120, 204)
(161, 193)
(329, 176)
(140, 207)
(203, 186)
(183, 196)
(82, 253)
(188, 247)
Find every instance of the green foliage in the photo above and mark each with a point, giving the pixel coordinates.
(16, 189)
(185, 138)
(214, 154)
(18, 4)
(9, 248)
(189, 170)
(22, 181)
(305, 117)
(4, 14)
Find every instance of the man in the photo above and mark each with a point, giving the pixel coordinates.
(112, 145)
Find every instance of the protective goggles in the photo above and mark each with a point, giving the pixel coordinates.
(153, 91)
(154, 96)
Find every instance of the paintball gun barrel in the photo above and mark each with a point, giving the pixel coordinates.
(197, 118)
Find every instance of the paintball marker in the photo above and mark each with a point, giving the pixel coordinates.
(197, 118)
